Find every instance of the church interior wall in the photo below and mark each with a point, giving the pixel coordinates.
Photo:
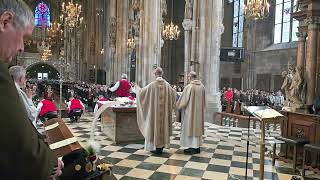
(172, 54)
(263, 61)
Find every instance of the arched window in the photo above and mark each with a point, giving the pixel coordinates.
(238, 17)
(285, 27)
(42, 16)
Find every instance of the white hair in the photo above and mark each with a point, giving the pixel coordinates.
(23, 14)
(17, 72)
(193, 75)
(124, 76)
(158, 71)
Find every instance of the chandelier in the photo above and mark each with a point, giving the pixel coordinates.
(45, 51)
(131, 43)
(46, 54)
(171, 31)
(55, 30)
(71, 14)
(257, 9)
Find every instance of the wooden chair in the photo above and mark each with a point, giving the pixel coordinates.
(291, 141)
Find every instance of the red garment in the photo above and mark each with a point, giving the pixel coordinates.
(123, 89)
(131, 98)
(228, 95)
(103, 99)
(47, 106)
(75, 104)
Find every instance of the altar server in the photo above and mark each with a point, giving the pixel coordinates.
(154, 113)
(192, 105)
(122, 87)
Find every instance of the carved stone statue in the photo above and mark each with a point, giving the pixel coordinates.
(296, 87)
(188, 9)
(285, 84)
(113, 32)
(164, 9)
(293, 85)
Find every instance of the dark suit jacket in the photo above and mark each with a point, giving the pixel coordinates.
(24, 154)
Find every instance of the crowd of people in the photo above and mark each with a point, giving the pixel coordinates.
(232, 99)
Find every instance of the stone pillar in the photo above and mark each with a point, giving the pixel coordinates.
(187, 25)
(301, 49)
(311, 62)
(150, 41)
(121, 59)
(211, 28)
(110, 37)
(194, 57)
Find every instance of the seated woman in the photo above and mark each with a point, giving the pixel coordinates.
(46, 109)
(76, 108)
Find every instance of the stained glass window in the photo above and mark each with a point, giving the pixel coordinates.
(42, 16)
(238, 18)
(285, 27)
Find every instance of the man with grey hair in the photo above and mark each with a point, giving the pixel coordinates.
(25, 155)
(154, 113)
(122, 87)
(18, 73)
(191, 104)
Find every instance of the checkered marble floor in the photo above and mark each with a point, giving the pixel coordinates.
(222, 157)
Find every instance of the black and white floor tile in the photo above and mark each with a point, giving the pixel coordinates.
(222, 157)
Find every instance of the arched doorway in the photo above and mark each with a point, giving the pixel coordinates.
(42, 71)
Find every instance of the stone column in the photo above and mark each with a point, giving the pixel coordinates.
(301, 49)
(311, 62)
(150, 32)
(110, 38)
(211, 28)
(187, 25)
(120, 66)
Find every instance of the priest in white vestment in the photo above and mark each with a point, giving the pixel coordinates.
(192, 105)
(155, 104)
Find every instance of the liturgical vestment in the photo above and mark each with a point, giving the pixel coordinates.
(192, 105)
(24, 154)
(154, 113)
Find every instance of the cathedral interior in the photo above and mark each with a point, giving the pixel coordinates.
(267, 46)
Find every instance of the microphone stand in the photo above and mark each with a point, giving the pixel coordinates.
(248, 142)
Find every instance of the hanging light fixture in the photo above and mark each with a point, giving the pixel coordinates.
(256, 9)
(171, 31)
(131, 43)
(71, 14)
(55, 30)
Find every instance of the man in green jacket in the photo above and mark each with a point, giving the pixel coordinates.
(24, 154)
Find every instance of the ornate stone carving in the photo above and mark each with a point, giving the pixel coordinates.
(164, 9)
(300, 133)
(294, 87)
(136, 5)
(113, 32)
(314, 20)
(136, 24)
(188, 9)
(187, 24)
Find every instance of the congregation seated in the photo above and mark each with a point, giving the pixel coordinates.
(76, 108)
(46, 109)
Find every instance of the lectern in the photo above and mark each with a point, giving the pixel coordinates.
(264, 114)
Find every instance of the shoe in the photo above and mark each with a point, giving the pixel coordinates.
(190, 151)
(157, 151)
(197, 150)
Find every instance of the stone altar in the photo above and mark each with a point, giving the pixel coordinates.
(120, 124)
